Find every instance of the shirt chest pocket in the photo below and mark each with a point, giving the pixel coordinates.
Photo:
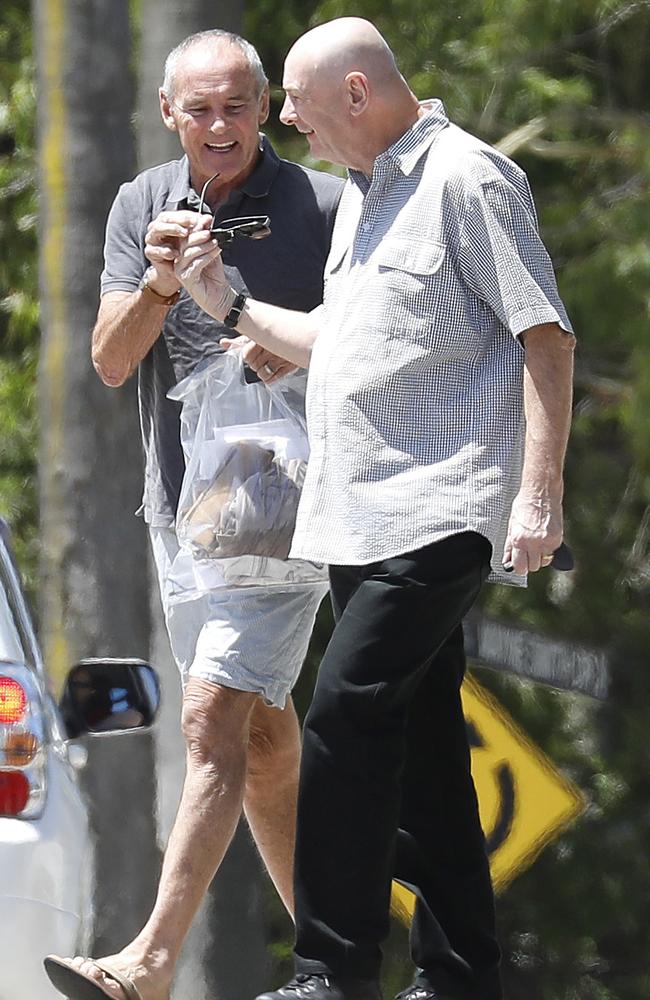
(421, 301)
(409, 277)
(418, 259)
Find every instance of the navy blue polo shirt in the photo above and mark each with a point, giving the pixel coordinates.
(285, 269)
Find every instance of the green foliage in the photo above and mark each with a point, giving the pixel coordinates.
(18, 283)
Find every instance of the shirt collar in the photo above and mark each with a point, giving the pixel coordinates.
(257, 185)
(181, 187)
(406, 152)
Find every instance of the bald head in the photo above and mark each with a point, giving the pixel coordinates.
(346, 45)
(345, 93)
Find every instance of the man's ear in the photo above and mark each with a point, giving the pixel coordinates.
(358, 92)
(263, 112)
(166, 111)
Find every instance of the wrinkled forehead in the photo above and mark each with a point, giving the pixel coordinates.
(217, 66)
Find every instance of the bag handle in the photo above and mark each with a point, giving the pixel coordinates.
(219, 371)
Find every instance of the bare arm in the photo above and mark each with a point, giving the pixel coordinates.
(128, 324)
(535, 528)
(283, 332)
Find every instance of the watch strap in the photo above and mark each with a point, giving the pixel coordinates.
(163, 300)
(232, 318)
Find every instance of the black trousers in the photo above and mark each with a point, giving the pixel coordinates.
(385, 785)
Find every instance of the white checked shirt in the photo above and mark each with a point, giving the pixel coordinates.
(415, 392)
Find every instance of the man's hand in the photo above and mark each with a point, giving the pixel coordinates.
(534, 532)
(163, 245)
(270, 367)
(285, 333)
(199, 269)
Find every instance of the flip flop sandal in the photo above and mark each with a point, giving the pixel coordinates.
(77, 986)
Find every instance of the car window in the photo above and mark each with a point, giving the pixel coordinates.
(18, 642)
(16, 632)
(10, 645)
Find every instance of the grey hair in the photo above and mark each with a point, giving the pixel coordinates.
(214, 35)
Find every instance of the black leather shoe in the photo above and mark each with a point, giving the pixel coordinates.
(319, 986)
(419, 992)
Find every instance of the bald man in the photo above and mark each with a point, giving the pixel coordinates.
(439, 400)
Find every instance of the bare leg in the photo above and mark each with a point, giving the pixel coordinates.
(216, 728)
(272, 789)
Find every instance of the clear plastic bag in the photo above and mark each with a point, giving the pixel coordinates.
(246, 453)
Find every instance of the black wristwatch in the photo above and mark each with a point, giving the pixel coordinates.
(232, 319)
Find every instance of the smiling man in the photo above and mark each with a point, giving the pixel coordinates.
(239, 654)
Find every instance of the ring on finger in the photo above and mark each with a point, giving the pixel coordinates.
(547, 559)
(266, 368)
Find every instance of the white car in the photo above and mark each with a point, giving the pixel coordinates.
(46, 846)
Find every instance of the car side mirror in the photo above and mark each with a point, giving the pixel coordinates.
(109, 695)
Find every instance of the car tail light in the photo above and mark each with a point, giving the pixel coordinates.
(22, 743)
(20, 749)
(14, 792)
(13, 701)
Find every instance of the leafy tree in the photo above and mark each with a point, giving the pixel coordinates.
(18, 282)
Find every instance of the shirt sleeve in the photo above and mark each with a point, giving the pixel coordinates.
(124, 259)
(503, 259)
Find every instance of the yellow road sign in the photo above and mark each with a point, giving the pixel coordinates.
(523, 800)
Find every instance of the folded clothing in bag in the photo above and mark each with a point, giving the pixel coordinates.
(249, 507)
